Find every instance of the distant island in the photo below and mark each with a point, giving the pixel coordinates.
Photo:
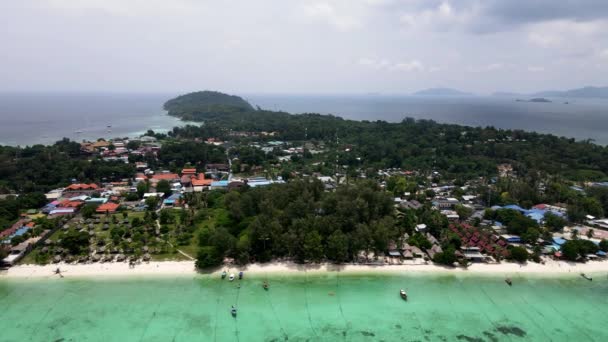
(585, 92)
(205, 104)
(441, 92)
(536, 99)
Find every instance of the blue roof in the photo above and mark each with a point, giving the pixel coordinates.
(220, 183)
(559, 241)
(601, 253)
(514, 207)
(175, 197)
(169, 201)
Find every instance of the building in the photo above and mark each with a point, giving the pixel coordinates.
(81, 188)
(108, 208)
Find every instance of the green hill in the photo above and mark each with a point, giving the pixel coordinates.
(204, 105)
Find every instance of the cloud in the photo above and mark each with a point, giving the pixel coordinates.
(486, 68)
(536, 68)
(413, 65)
(327, 12)
(566, 33)
(604, 54)
(385, 64)
(440, 17)
(125, 7)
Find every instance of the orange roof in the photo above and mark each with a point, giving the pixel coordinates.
(70, 204)
(82, 187)
(188, 171)
(165, 176)
(107, 207)
(201, 181)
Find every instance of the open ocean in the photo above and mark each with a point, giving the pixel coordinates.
(27, 119)
(332, 307)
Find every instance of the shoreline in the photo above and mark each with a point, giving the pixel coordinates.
(187, 269)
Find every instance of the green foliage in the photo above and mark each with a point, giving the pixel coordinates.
(420, 241)
(447, 257)
(519, 254)
(337, 247)
(573, 249)
(75, 242)
(463, 211)
(164, 187)
(142, 188)
(208, 256)
(301, 221)
(604, 245)
(88, 211)
(200, 105)
(554, 222)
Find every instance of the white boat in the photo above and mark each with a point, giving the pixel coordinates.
(231, 278)
(403, 294)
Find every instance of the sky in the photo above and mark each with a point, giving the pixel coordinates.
(302, 46)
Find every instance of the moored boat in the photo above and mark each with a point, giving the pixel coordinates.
(265, 285)
(224, 275)
(241, 275)
(403, 294)
(233, 311)
(231, 277)
(586, 277)
(508, 281)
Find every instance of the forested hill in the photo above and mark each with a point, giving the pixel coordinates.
(203, 105)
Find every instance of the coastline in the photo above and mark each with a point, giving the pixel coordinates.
(187, 269)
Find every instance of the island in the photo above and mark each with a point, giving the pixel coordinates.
(441, 92)
(258, 186)
(536, 99)
(194, 106)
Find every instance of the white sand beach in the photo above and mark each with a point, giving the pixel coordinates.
(186, 268)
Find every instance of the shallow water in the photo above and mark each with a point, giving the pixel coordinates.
(333, 307)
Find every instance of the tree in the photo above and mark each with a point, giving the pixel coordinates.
(447, 257)
(604, 245)
(463, 212)
(313, 246)
(75, 242)
(208, 256)
(142, 188)
(554, 222)
(164, 187)
(337, 247)
(88, 211)
(152, 202)
(519, 254)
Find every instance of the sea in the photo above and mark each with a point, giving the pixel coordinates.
(43, 118)
(306, 307)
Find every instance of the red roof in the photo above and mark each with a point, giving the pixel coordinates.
(107, 207)
(188, 171)
(70, 204)
(166, 176)
(77, 187)
(201, 181)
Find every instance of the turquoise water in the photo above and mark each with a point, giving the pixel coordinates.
(333, 307)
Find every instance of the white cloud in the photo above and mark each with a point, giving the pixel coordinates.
(565, 33)
(125, 7)
(441, 17)
(486, 68)
(414, 65)
(604, 54)
(385, 64)
(533, 68)
(327, 12)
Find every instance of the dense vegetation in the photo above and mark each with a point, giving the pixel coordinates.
(300, 221)
(420, 144)
(201, 105)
